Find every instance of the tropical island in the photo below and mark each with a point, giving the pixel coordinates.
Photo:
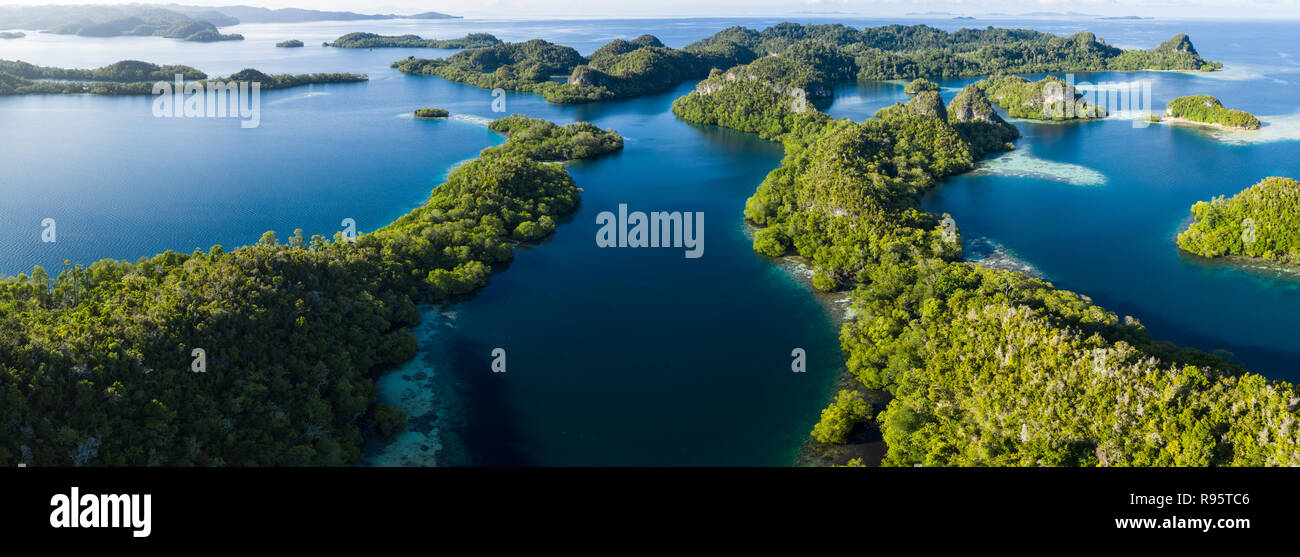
(1207, 110)
(618, 69)
(1050, 98)
(124, 71)
(294, 332)
(808, 57)
(54, 16)
(1260, 222)
(133, 77)
(919, 85)
(428, 113)
(292, 43)
(371, 40)
(543, 140)
(951, 345)
(169, 25)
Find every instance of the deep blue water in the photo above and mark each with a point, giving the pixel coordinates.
(632, 356)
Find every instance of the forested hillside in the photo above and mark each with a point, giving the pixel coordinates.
(982, 367)
(1261, 222)
(99, 363)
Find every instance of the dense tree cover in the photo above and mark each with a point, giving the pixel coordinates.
(1261, 221)
(972, 115)
(620, 69)
(807, 57)
(920, 84)
(372, 40)
(993, 368)
(527, 66)
(431, 112)
(1176, 53)
(1050, 98)
(1208, 110)
(643, 65)
(910, 52)
(285, 81)
(986, 367)
(859, 184)
(161, 23)
(838, 420)
(124, 71)
(543, 140)
(733, 100)
(14, 85)
(97, 362)
(291, 43)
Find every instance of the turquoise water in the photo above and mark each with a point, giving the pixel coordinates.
(1113, 238)
(621, 356)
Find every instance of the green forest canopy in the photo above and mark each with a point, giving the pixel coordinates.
(619, 69)
(1261, 221)
(811, 57)
(1050, 98)
(1207, 109)
(984, 367)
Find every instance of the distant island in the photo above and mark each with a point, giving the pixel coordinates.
(804, 57)
(12, 35)
(249, 14)
(619, 69)
(133, 77)
(122, 72)
(293, 43)
(428, 113)
(1260, 222)
(372, 40)
(160, 23)
(188, 23)
(1126, 17)
(1207, 110)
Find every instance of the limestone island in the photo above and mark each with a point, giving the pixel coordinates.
(1206, 110)
(371, 40)
(1050, 98)
(1260, 223)
(920, 84)
(790, 56)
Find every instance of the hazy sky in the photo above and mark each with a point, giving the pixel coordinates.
(1252, 9)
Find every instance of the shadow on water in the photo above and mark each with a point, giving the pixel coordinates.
(488, 434)
(1271, 362)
